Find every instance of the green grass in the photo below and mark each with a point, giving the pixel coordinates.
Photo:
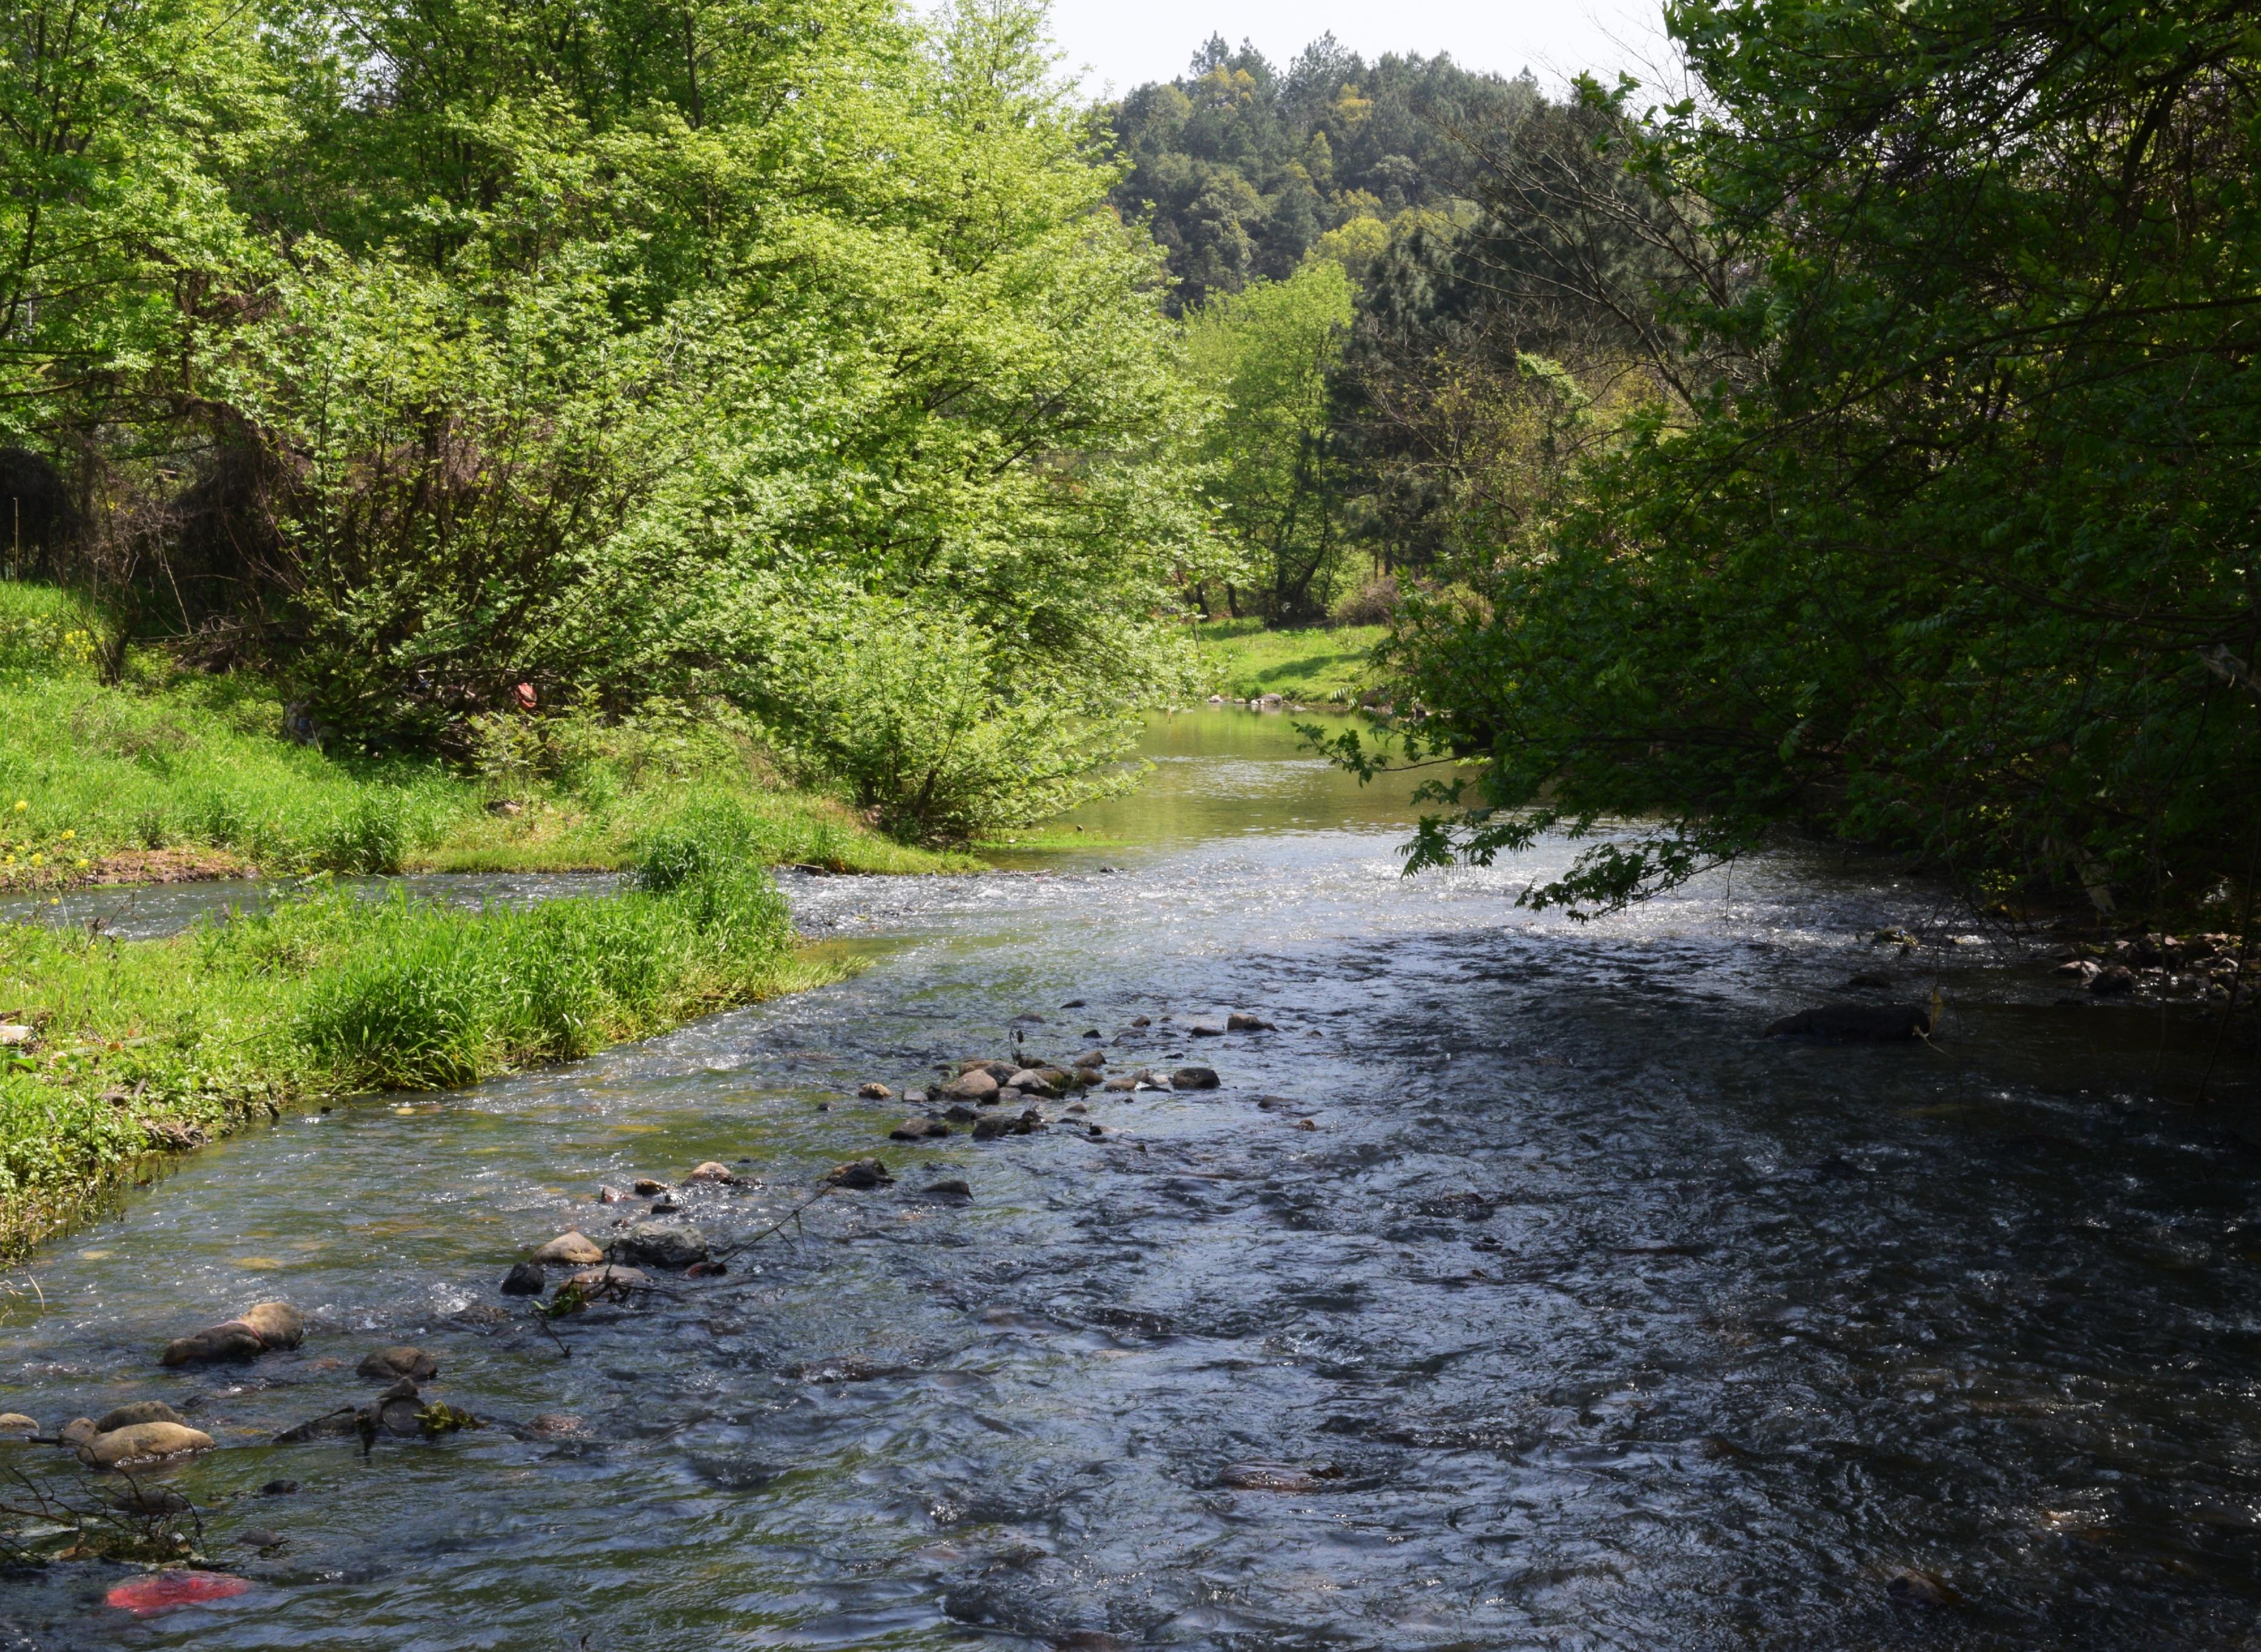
(177, 772)
(142, 1045)
(1245, 658)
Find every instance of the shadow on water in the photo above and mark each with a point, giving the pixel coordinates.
(1579, 1317)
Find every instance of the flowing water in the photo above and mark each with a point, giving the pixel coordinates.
(1579, 1317)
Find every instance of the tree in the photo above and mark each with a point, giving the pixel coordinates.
(1947, 545)
(1266, 353)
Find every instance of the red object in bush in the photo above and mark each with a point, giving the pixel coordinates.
(526, 696)
(145, 1597)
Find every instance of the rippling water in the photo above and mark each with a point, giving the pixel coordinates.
(1603, 1322)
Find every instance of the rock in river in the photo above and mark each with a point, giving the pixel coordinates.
(713, 1170)
(664, 1244)
(971, 1086)
(646, 1188)
(389, 1365)
(875, 1091)
(1855, 1023)
(141, 1410)
(262, 1326)
(571, 1250)
(859, 1173)
(593, 1282)
(1205, 1030)
(1238, 1022)
(525, 1280)
(142, 1442)
(918, 1130)
(1036, 1081)
(17, 1423)
(1277, 1477)
(1194, 1078)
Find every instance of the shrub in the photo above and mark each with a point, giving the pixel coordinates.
(1372, 603)
(912, 715)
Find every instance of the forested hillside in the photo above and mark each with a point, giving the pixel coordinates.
(1243, 170)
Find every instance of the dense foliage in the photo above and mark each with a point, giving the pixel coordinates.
(1935, 525)
(611, 350)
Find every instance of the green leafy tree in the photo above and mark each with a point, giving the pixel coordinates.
(1264, 355)
(1948, 544)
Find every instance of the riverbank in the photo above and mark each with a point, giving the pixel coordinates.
(1246, 660)
(171, 775)
(112, 1050)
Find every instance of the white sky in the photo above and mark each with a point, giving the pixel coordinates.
(1127, 42)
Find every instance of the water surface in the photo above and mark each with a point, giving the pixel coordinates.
(1602, 1321)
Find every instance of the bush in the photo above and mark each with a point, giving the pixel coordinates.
(915, 715)
(1372, 603)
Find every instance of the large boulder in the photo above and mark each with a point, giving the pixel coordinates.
(1856, 1023)
(262, 1326)
(977, 1085)
(142, 1442)
(664, 1244)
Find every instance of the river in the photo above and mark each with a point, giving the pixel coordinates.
(1580, 1316)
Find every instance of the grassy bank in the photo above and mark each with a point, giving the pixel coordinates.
(171, 773)
(1320, 664)
(142, 1046)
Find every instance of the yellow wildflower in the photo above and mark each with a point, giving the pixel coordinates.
(39, 860)
(21, 806)
(68, 835)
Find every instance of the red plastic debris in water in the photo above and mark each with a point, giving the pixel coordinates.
(145, 1597)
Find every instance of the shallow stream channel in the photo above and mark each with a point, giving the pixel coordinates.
(1512, 1292)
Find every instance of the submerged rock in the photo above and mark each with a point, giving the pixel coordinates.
(875, 1091)
(387, 1364)
(1205, 1030)
(575, 1249)
(1276, 1477)
(141, 1410)
(262, 1326)
(610, 1195)
(949, 1188)
(610, 1282)
(1194, 1078)
(664, 1244)
(860, 1173)
(1856, 1023)
(960, 1112)
(142, 1442)
(1125, 1082)
(1912, 1588)
(1237, 1021)
(525, 1280)
(2117, 981)
(918, 1130)
(914, 1098)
